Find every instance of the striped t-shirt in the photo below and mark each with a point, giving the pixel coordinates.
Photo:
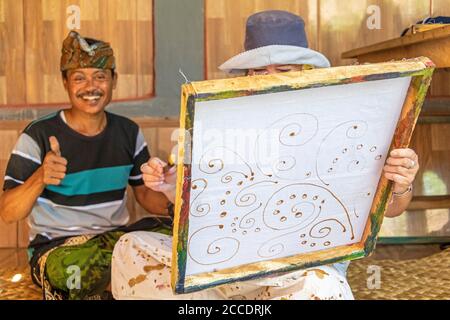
(91, 199)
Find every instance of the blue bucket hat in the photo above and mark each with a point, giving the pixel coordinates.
(274, 37)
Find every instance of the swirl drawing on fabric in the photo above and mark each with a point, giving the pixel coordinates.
(283, 194)
(206, 252)
(278, 146)
(351, 156)
(199, 209)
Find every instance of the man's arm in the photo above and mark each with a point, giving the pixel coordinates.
(16, 204)
(150, 200)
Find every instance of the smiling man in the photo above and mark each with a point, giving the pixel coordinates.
(68, 175)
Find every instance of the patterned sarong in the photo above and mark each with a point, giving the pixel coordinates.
(79, 267)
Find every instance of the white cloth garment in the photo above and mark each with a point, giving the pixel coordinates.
(141, 270)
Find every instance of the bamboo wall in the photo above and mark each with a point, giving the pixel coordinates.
(31, 34)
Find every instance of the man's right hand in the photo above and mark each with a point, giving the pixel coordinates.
(156, 179)
(54, 166)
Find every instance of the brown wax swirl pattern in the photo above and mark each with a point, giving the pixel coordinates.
(198, 209)
(320, 230)
(298, 206)
(293, 131)
(212, 162)
(303, 209)
(206, 252)
(228, 177)
(247, 198)
(247, 221)
(324, 231)
(351, 156)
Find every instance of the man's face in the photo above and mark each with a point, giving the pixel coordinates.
(275, 68)
(90, 89)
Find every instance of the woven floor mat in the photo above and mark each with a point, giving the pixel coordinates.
(426, 278)
(24, 289)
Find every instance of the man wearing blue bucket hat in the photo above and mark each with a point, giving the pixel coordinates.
(275, 42)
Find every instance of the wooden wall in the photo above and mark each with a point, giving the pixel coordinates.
(333, 26)
(31, 35)
(158, 136)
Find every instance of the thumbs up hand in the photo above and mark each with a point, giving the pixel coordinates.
(54, 166)
(54, 146)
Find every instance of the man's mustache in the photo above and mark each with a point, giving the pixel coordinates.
(90, 93)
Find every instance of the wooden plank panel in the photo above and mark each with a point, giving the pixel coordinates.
(440, 135)
(51, 9)
(125, 52)
(34, 52)
(144, 10)
(440, 8)
(151, 136)
(91, 10)
(440, 86)
(126, 84)
(165, 144)
(8, 141)
(429, 142)
(2, 11)
(54, 88)
(225, 26)
(429, 202)
(343, 30)
(145, 85)
(421, 144)
(114, 21)
(125, 9)
(12, 51)
(3, 89)
(144, 55)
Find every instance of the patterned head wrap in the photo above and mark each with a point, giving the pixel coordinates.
(79, 52)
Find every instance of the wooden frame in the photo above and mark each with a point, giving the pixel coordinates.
(420, 70)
